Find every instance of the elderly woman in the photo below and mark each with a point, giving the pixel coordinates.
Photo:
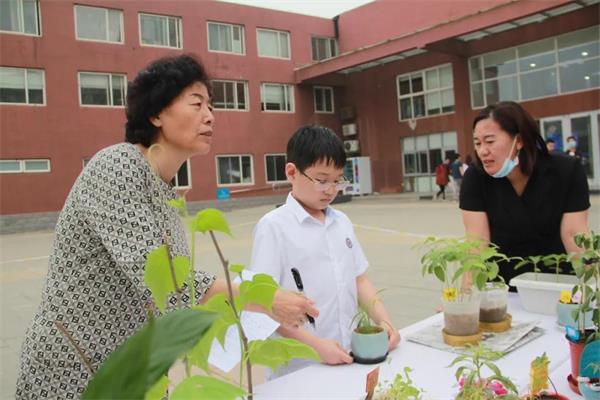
(115, 214)
(521, 198)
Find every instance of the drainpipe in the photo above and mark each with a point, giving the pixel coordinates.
(336, 26)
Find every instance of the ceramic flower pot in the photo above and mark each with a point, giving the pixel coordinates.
(369, 347)
(564, 315)
(493, 303)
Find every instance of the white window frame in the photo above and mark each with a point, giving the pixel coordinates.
(242, 35)
(110, 94)
(324, 89)
(22, 18)
(27, 103)
(167, 17)
(246, 95)
(240, 158)
(23, 170)
(288, 96)
(519, 73)
(279, 32)
(329, 40)
(189, 175)
(106, 9)
(424, 92)
(267, 170)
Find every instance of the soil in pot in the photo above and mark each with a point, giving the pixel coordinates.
(496, 314)
(461, 324)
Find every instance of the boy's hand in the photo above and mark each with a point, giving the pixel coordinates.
(331, 352)
(393, 335)
(290, 308)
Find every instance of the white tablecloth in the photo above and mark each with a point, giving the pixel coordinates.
(428, 364)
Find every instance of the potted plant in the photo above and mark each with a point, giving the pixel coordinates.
(566, 309)
(463, 265)
(587, 270)
(473, 385)
(369, 341)
(401, 388)
(539, 291)
(492, 311)
(539, 378)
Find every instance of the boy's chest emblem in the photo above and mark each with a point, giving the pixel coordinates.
(349, 243)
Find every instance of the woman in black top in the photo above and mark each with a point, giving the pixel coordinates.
(518, 196)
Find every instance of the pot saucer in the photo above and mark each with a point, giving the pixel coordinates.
(360, 360)
(573, 384)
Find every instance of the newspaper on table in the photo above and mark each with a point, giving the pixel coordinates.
(519, 334)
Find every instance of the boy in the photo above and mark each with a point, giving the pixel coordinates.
(319, 241)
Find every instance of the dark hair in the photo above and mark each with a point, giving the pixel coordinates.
(313, 143)
(153, 89)
(514, 120)
(550, 141)
(572, 137)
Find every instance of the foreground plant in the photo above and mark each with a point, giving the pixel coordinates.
(401, 388)
(166, 276)
(474, 385)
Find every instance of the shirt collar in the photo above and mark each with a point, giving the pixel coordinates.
(302, 215)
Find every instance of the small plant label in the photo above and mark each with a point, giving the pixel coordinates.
(372, 379)
(572, 333)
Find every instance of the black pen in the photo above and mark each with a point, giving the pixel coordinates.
(300, 286)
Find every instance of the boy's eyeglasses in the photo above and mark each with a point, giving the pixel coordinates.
(323, 186)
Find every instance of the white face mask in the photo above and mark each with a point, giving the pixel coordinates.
(508, 164)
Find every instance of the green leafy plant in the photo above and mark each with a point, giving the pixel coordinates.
(364, 322)
(587, 270)
(449, 259)
(178, 334)
(533, 260)
(401, 388)
(470, 375)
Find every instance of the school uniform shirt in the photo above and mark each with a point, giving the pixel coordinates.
(328, 257)
(528, 225)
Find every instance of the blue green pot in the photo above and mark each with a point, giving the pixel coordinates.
(369, 346)
(564, 314)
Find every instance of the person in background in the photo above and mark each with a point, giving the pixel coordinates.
(551, 146)
(442, 172)
(456, 175)
(519, 197)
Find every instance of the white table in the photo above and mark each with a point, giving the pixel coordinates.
(428, 364)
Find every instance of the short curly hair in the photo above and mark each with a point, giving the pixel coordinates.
(154, 88)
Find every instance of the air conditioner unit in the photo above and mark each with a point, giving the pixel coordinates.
(351, 146)
(349, 129)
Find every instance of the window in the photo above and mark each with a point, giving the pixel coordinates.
(277, 97)
(226, 38)
(20, 16)
(425, 93)
(100, 24)
(275, 165)
(274, 44)
(323, 97)
(24, 166)
(182, 179)
(421, 154)
(324, 48)
(97, 89)
(21, 86)
(160, 30)
(234, 170)
(230, 95)
(543, 68)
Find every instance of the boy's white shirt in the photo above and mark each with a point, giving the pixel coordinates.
(329, 258)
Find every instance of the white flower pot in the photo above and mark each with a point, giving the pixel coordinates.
(541, 295)
(493, 303)
(461, 318)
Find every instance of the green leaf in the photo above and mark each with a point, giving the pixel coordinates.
(439, 273)
(210, 219)
(206, 387)
(158, 276)
(276, 352)
(480, 280)
(159, 390)
(179, 204)
(135, 366)
(236, 268)
(260, 290)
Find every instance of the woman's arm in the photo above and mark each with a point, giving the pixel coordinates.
(289, 308)
(571, 224)
(476, 224)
